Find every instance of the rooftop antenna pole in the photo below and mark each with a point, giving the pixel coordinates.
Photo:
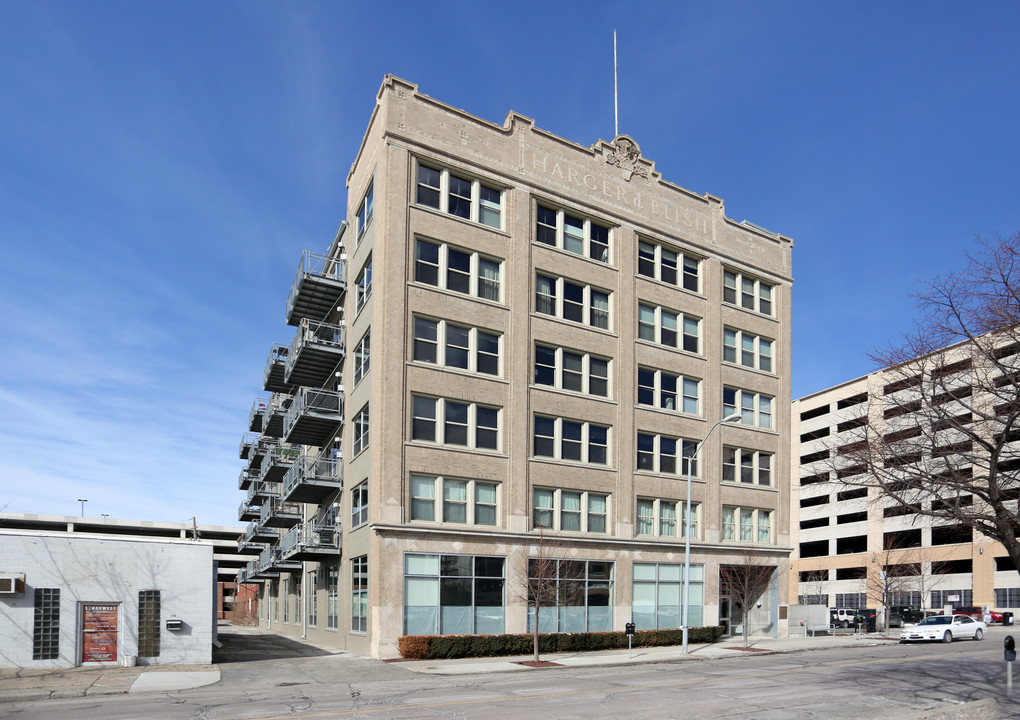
(616, 92)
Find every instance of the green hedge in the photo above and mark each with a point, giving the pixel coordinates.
(429, 647)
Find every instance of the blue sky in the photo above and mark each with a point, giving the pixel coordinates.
(163, 165)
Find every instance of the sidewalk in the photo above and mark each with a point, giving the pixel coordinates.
(30, 684)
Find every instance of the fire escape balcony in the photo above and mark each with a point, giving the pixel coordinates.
(260, 491)
(313, 417)
(264, 566)
(318, 287)
(246, 478)
(278, 514)
(277, 462)
(258, 451)
(257, 415)
(314, 354)
(256, 532)
(248, 442)
(246, 574)
(273, 375)
(247, 512)
(276, 409)
(314, 540)
(313, 478)
(271, 563)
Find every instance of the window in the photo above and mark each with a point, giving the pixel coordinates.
(569, 370)
(572, 440)
(659, 518)
(574, 234)
(747, 524)
(747, 466)
(365, 212)
(448, 268)
(442, 343)
(665, 327)
(453, 594)
(755, 409)
(657, 595)
(570, 301)
(46, 628)
(313, 598)
(852, 601)
(359, 504)
(332, 597)
(940, 598)
(658, 453)
(747, 292)
(468, 502)
(451, 422)
(746, 349)
(364, 285)
(285, 591)
(668, 266)
(666, 391)
(584, 595)
(297, 599)
(359, 594)
(469, 199)
(148, 623)
(360, 440)
(361, 357)
(571, 510)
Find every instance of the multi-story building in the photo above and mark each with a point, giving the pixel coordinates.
(513, 346)
(856, 546)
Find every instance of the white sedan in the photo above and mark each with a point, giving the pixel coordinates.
(944, 628)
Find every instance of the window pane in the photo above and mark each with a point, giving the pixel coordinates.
(428, 186)
(572, 371)
(423, 426)
(573, 302)
(545, 227)
(489, 209)
(545, 430)
(545, 295)
(425, 335)
(426, 265)
(455, 427)
(458, 271)
(488, 353)
(457, 341)
(488, 279)
(573, 234)
(598, 381)
(571, 443)
(460, 197)
(487, 428)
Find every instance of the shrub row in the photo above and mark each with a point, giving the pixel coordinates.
(430, 647)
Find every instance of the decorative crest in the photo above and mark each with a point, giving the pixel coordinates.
(626, 156)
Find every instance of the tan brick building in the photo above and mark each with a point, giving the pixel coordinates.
(515, 337)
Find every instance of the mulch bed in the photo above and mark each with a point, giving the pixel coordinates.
(539, 664)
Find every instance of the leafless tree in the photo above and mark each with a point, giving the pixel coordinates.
(942, 435)
(815, 584)
(745, 582)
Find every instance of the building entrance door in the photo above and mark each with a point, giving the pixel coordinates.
(99, 633)
(730, 617)
(724, 615)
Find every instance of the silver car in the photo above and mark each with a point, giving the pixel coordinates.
(944, 628)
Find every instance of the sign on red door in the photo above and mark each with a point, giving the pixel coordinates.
(99, 633)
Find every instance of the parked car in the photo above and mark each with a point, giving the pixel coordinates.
(944, 628)
(842, 617)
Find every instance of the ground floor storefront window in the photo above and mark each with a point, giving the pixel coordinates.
(658, 595)
(579, 595)
(453, 594)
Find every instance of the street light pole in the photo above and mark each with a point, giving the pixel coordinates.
(687, 524)
(83, 501)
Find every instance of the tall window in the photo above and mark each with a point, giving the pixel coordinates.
(359, 504)
(459, 271)
(746, 349)
(453, 500)
(332, 594)
(451, 422)
(669, 328)
(453, 594)
(571, 301)
(666, 518)
(570, 510)
(572, 233)
(360, 440)
(313, 598)
(285, 592)
(657, 595)
(666, 455)
(359, 594)
(755, 408)
(660, 263)
(362, 354)
(570, 370)
(753, 467)
(459, 195)
(148, 623)
(46, 627)
(752, 525)
(573, 440)
(365, 212)
(455, 346)
(660, 389)
(364, 285)
(747, 292)
(583, 592)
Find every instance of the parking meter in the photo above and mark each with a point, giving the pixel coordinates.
(629, 628)
(1010, 647)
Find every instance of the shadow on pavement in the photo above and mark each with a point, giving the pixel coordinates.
(248, 646)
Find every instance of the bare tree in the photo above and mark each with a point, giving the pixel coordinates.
(745, 582)
(814, 584)
(545, 581)
(941, 436)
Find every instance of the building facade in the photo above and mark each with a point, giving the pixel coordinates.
(512, 348)
(857, 547)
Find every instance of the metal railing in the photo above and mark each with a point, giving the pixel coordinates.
(316, 265)
(313, 534)
(315, 469)
(249, 440)
(312, 400)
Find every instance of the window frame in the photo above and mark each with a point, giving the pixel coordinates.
(680, 458)
(735, 526)
(563, 436)
(363, 285)
(365, 211)
(441, 345)
(362, 357)
(756, 468)
(736, 353)
(359, 594)
(444, 270)
(743, 398)
(562, 307)
(659, 392)
(438, 499)
(590, 247)
(659, 329)
(360, 434)
(586, 510)
(479, 206)
(359, 504)
(763, 293)
(656, 269)
(442, 422)
(658, 518)
(559, 370)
